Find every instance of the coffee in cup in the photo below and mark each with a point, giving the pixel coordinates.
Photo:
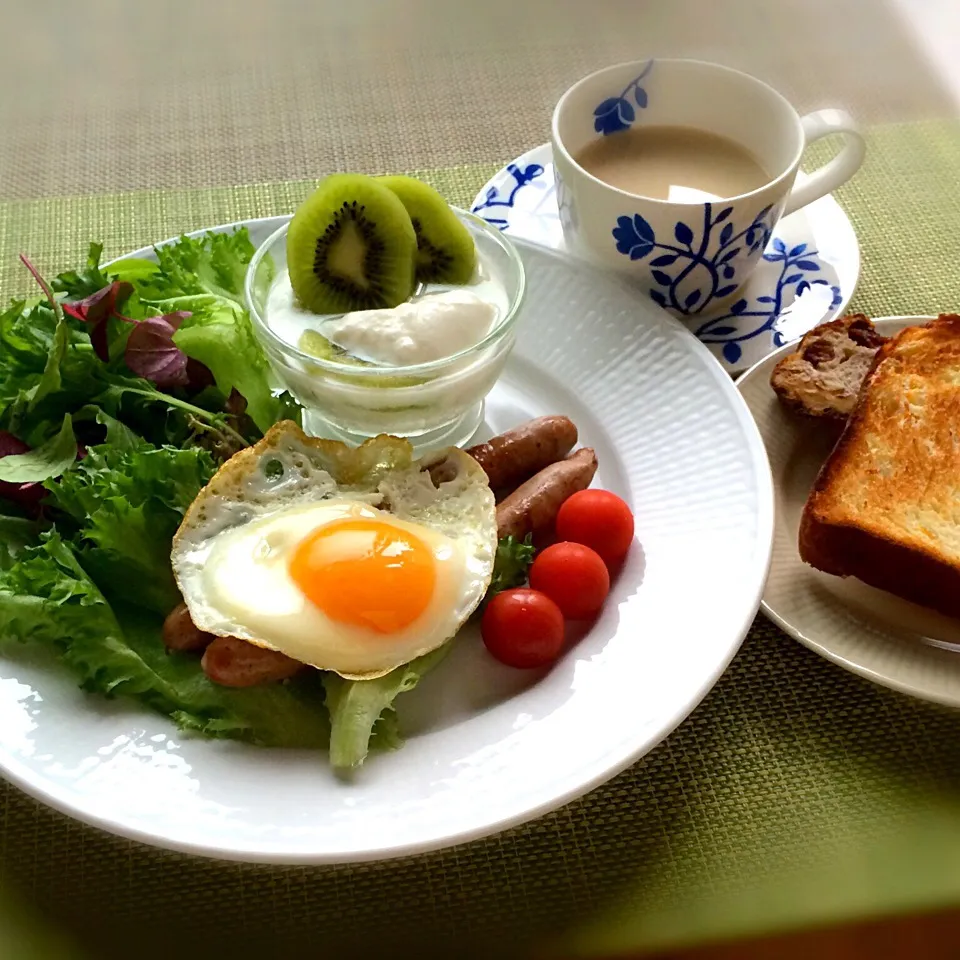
(675, 172)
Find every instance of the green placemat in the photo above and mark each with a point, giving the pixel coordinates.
(795, 794)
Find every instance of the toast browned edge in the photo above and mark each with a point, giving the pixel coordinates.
(810, 341)
(846, 550)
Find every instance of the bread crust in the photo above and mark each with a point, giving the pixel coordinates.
(823, 376)
(885, 507)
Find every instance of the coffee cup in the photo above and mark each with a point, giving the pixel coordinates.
(689, 247)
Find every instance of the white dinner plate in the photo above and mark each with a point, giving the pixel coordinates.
(487, 746)
(869, 632)
(813, 254)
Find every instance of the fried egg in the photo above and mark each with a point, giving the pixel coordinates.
(355, 560)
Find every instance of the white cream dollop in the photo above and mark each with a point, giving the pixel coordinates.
(432, 327)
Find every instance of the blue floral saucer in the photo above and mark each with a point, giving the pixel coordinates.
(807, 275)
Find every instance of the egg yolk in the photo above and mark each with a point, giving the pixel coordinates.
(365, 573)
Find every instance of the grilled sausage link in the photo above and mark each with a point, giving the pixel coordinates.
(514, 456)
(181, 633)
(232, 662)
(534, 505)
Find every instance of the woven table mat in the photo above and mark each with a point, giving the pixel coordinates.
(795, 793)
(107, 95)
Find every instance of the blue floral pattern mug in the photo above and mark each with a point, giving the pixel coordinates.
(690, 257)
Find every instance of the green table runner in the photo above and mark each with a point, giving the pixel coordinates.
(795, 794)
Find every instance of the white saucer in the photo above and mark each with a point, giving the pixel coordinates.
(864, 630)
(812, 253)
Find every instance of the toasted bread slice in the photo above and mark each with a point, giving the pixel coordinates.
(823, 376)
(886, 505)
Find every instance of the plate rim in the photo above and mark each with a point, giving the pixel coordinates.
(888, 325)
(15, 771)
(544, 152)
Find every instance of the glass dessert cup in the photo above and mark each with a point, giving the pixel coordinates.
(438, 403)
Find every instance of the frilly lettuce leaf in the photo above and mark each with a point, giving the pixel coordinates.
(204, 277)
(221, 337)
(50, 459)
(214, 265)
(46, 597)
(511, 563)
(361, 710)
(125, 505)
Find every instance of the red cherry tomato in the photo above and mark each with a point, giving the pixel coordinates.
(574, 577)
(522, 628)
(598, 519)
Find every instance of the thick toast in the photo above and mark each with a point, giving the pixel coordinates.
(823, 376)
(886, 505)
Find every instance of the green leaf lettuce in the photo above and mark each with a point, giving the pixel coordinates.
(125, 506)
(360, 709)
(47, 598)
(48, 460)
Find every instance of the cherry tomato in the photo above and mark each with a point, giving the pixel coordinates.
(522, 628)
(599, 520)
(573, 576)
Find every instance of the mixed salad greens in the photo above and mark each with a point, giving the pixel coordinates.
(121, 390)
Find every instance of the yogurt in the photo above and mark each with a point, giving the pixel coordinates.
(431, 328)
(436, 324)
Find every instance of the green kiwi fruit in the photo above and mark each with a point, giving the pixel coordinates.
(446, 252)
(351, 246)
(317, 345)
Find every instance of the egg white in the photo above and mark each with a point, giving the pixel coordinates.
(232, 552)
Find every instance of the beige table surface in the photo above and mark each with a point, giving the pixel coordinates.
(288, 90)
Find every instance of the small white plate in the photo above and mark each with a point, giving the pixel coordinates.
(812, 248)
(869, 632)
(488, 746)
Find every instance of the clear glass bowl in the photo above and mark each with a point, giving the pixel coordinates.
(434, 404)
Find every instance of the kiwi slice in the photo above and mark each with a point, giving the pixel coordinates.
(351, 246)
(316, 344)
(446, 252)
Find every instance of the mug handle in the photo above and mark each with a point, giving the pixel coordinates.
(823, 123)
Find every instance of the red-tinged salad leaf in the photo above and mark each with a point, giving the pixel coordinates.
(205, 276)
(151, 353)
(100, 305)
(48, 368)
(200, 280)
(149, 350)
(98, 310)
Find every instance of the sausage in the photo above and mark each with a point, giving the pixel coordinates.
(232, 662)
(181, 633)
(512, 457)
(534, 505)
